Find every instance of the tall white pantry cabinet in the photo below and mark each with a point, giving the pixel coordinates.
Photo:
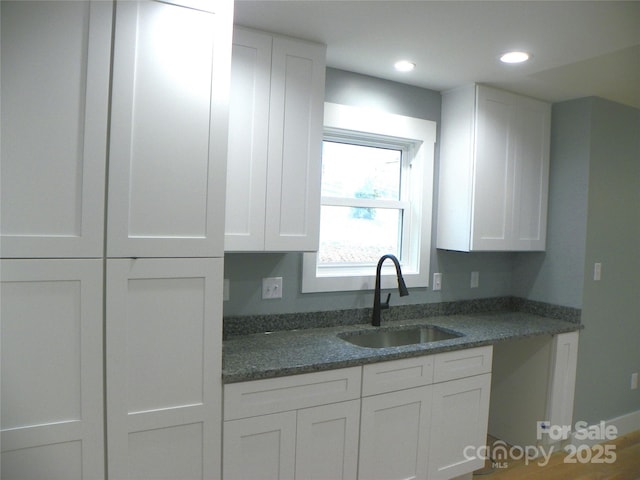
(114, 138)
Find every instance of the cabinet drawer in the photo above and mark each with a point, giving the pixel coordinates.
(462, 363)
(259, 397)
(397, 375)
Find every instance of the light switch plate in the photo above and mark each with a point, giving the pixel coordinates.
(437, 282)
(597, 271)
(475, 279)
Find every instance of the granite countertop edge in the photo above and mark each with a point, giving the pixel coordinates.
(276, 354)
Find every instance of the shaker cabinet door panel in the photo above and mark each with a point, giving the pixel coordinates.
(394, 430)
(459, 420)
(51, 364)
(164, 332)
(260, 447)
(248, 140)
(295, 140)
(531, 159)
(166, 174)
(327, 441)
(493, 190)
(55, 87)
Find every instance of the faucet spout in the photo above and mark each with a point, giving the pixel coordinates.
(378, 306)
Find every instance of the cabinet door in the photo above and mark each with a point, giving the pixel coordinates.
(295, 143)
(55, 86)
(248, 141)
(164, 329)
(562, 379)
(260, 447)
(394, 435)
(51, 330)
(168, 131)
(459, 426)
(531, 178)
(493, 190)
(327, 442)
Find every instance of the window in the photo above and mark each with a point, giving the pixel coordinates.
(377, 174)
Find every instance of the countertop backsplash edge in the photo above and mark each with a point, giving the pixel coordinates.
(249, 324)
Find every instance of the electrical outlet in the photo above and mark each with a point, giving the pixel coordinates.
(437, 282)
(634, 381)
(475, 279)
(271, 288)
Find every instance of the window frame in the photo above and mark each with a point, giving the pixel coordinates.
(403, 203)
(417, 138)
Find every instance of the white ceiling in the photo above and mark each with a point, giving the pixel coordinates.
(580, 48)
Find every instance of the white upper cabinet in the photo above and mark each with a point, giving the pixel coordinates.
(169, 130)
(275, 143)
(494, 171)
(55, 91)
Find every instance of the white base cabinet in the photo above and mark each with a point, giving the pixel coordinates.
(534, 380)
(422, 413)
(386, 421)
(494, 171)
(312, 443)
(304, 427)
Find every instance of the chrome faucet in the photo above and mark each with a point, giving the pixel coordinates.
(402, 289)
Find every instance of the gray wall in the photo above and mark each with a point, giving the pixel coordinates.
(245, 271)
(556, 275)
(594, 216)
(610, 344)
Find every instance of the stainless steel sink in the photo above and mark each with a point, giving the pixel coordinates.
(395, 337)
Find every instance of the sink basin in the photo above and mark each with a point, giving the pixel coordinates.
(398, 337)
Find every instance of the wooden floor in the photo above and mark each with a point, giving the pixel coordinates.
(625, 467)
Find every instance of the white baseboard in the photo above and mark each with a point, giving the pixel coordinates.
(624, 424)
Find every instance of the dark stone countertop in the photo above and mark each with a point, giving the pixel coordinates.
(277, 354)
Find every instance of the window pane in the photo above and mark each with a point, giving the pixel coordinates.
(357, 171)
(350, 235)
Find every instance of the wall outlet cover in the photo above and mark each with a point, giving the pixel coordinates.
(271, 288)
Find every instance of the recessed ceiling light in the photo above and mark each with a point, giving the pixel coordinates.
(515, 57)
(404, 66)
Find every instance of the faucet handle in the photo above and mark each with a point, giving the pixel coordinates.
(385, 305)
